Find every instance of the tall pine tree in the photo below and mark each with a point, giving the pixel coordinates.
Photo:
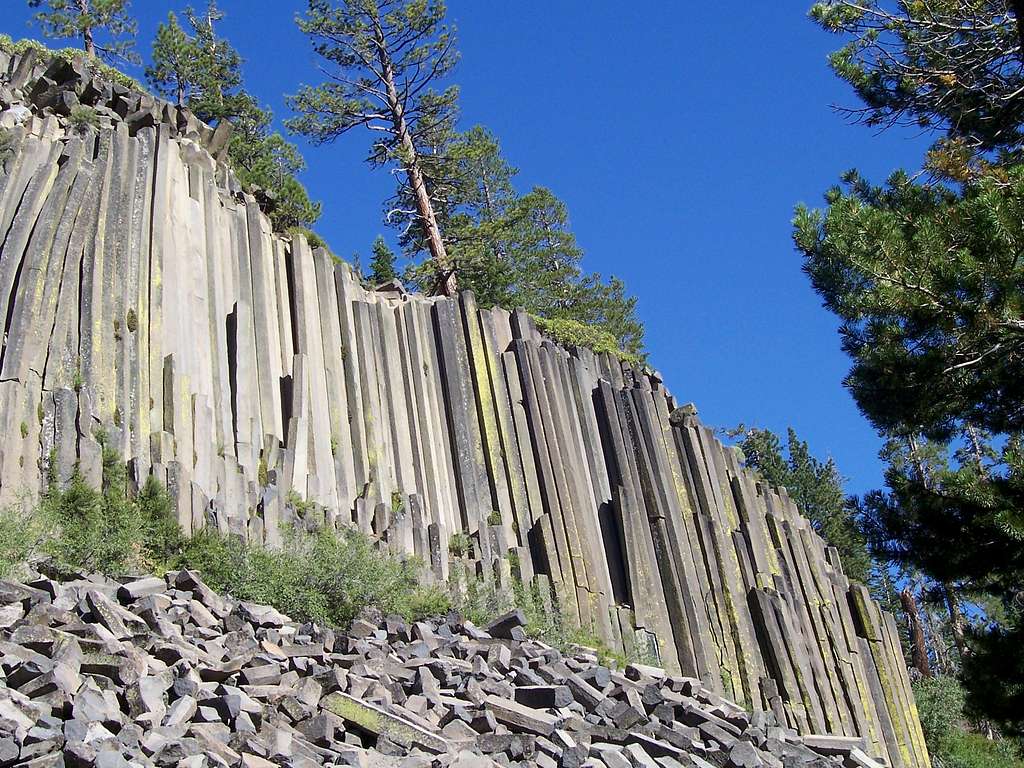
(383, 60)
(173, 69)
(925, 276)
(517, 250)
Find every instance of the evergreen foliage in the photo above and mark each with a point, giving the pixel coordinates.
(382, 266)
(817, 488)
(926, 281)
(941, 707)
(266, 161)
(199, 69)
(105, 27)
(108, 530)
(173, 69)
(384, 60)
(455, 201)
(22, 535)
(316, 574)
(516, 250)
(925, 276)
(321, 576)
(950, 66)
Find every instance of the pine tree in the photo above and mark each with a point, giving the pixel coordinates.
(172, 70)
(817, 488)
(925, 276)
(383, 59)
(517, 250)
(105, 27)
(951, 66)
(265, 160)
(201, 70)
(382, 266)
(219, 93)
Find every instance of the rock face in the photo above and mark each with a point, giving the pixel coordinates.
(100, 673)
(145, 295)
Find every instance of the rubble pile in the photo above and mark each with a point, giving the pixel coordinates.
(164, 671)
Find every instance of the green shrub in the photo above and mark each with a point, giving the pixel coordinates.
(459, 544)
(22, 535)
(321, 576)
(304, 508)
(7, 144)
(83, 119)
(109, 531)
(324, 576)
(572, 333)
(940, 704)
(961, 749)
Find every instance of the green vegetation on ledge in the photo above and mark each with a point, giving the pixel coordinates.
(572, 333)
(96, 67)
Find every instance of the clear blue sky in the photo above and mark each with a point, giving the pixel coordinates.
(680, 140)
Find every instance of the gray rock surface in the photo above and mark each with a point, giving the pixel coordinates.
(196, 679)
(145, 295)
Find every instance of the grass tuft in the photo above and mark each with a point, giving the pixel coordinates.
(83, 119)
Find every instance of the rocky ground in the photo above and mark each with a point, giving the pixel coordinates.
(163, 671)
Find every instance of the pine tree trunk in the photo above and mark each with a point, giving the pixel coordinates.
(90, 45)
(937, 644)
(972, 436)
(956, 619)
(447, 284)
(918, 647)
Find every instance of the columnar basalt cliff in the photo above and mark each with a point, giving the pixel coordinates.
(147, 302)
